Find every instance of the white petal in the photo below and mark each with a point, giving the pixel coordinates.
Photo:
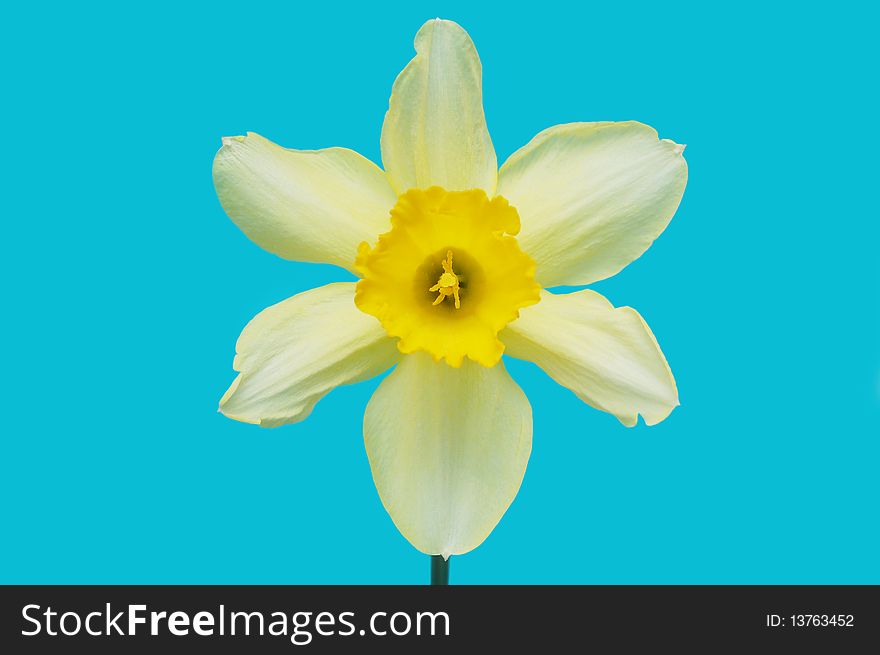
(291, 354)
(435, 131)
(607, 356)
(448, 448)
(592, 197)
(306, 205)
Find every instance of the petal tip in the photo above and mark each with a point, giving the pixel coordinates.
(677, 148)
(230, 391)
(240, 418)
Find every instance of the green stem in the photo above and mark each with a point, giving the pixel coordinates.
(439, 570)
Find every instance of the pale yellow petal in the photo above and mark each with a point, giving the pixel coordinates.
(293, 353)
(435, 131)
(448, 448)
(606, 355)
(305, 205)
(592, 197)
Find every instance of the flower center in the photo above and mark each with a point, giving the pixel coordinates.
(455, 245)
(447, 285)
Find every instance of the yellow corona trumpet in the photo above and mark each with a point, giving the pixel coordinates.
(453, 258)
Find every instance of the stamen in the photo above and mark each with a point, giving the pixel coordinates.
(448, 284)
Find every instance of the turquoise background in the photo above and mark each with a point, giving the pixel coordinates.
(125, 288)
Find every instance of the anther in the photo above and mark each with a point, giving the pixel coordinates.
(447, 285)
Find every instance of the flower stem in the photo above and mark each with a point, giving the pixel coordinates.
(439, 570)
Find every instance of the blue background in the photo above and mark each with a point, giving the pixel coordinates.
(125, 288)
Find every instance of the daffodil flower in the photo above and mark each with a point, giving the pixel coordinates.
(453, 258)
